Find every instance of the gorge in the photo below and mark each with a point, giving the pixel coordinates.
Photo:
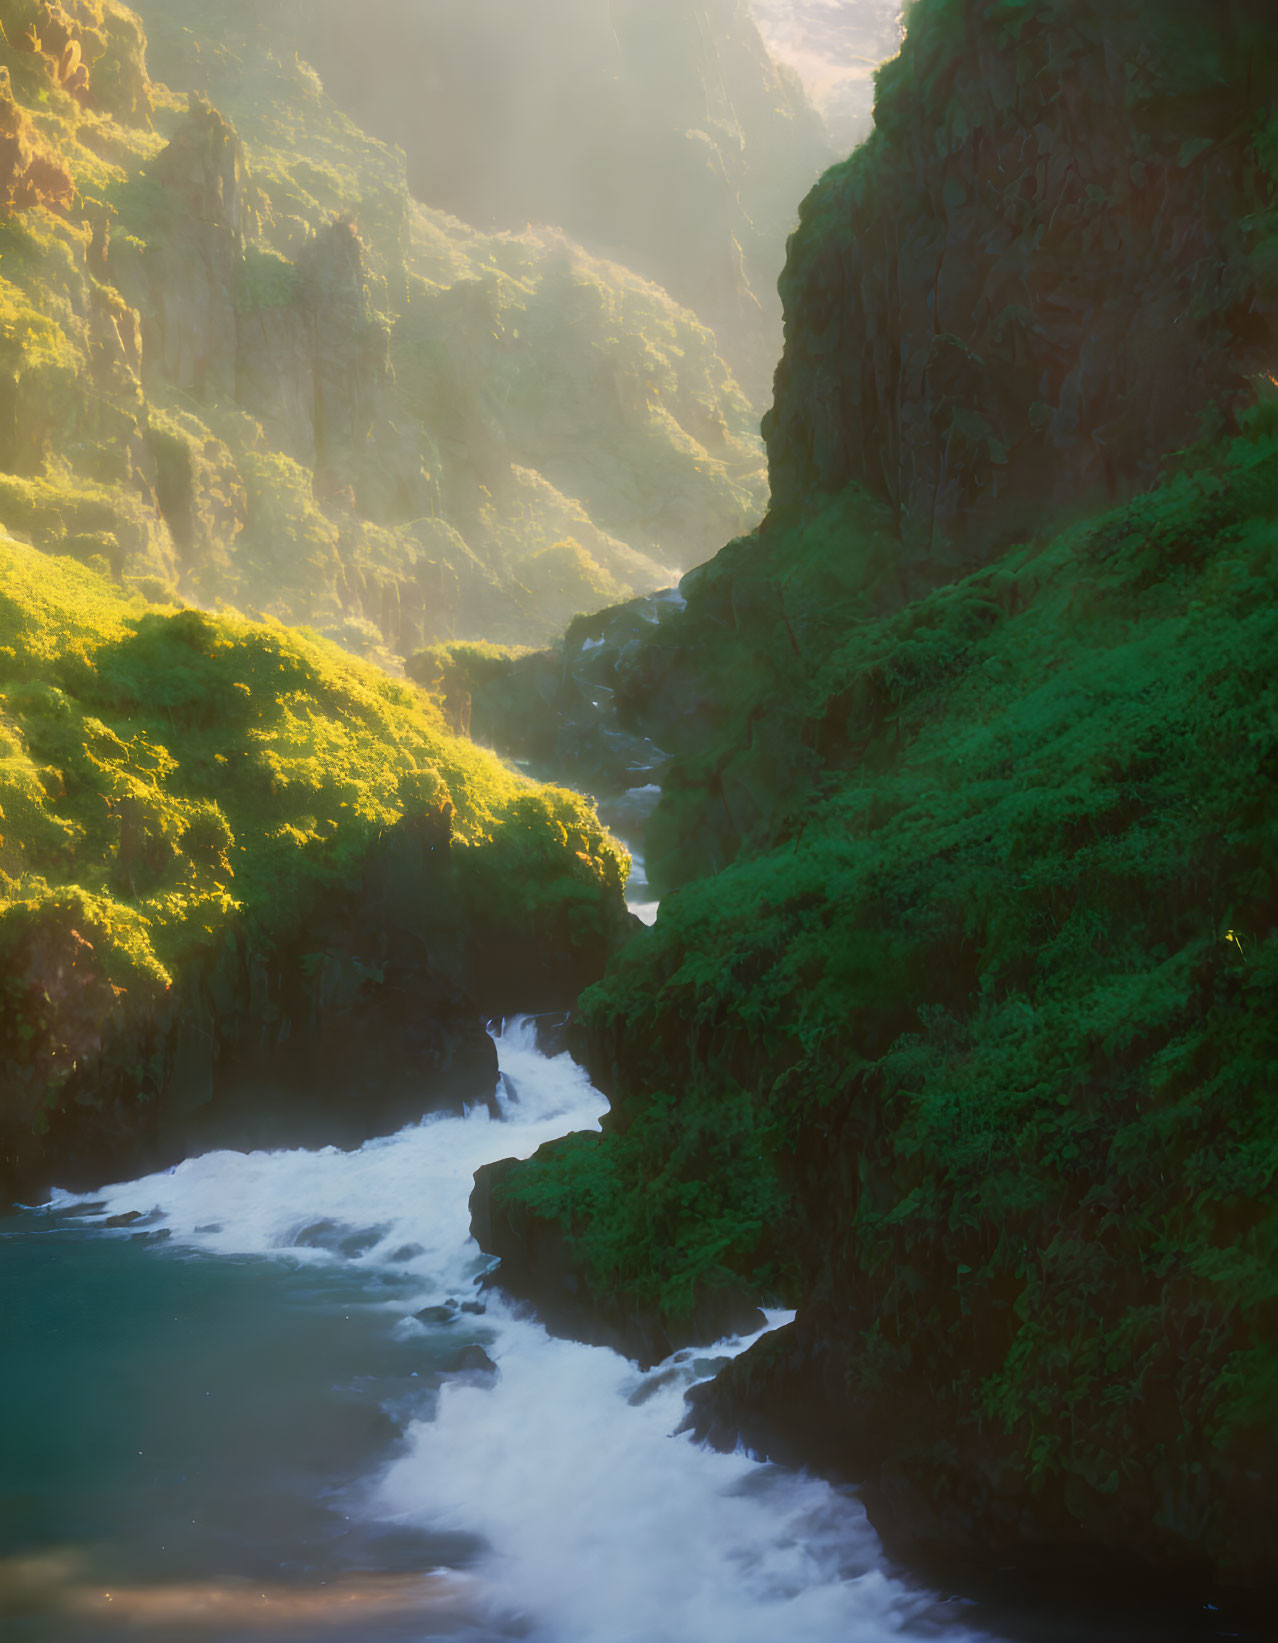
(913, 1164)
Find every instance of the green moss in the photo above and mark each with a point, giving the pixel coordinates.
(168, 775)
(996, 955)
(712, 1206)
(265, 280)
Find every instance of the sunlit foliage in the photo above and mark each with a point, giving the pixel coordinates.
(167, 776)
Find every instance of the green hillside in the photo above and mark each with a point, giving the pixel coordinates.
(234, 859)
(956, 1029)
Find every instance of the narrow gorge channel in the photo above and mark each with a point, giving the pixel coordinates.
(447, 446)
(269, 1398)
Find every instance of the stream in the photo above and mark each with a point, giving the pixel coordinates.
(265, 1397)
(234, 1425)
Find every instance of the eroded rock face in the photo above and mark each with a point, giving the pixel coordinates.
(29, 174)
(190, 271)
(314, 365)
(293, 345)
(1029, 287)
(658, 132)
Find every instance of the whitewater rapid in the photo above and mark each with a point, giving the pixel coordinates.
(592, 1522)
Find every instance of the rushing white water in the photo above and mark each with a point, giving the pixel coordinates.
(600, 1526)
(627, 815)
(639, 897)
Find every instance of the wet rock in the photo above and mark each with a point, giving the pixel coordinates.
(649, 1385)
(125, 1220)
(406, 1252)
(475, 1308)
(339, 1239)
(557, 1033)
(470, 1360)
(438, 1315)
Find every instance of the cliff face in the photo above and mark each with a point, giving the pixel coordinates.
(658, 133)
(1035, 280)
(951, 1027)
(240, 362)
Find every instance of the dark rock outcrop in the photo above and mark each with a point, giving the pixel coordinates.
(366, 1012)
(1033, 282)
(471, 1360)
(964, 1504)
(539, 1264)
(572, 713)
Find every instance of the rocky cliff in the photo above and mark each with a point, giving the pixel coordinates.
(1043, 272)
(242, 363)
(955, 1031)
(659, 133)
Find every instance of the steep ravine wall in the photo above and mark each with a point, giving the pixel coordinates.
(239, 362)
(956, 1028)
(1043, 272)
(659, 133)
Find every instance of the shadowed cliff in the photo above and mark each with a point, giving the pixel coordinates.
(955, 1024)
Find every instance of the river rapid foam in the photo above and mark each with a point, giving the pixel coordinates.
(584, 1519)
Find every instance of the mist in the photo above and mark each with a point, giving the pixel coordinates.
(637, 875)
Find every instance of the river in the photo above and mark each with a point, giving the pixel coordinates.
(266, 1397)
(229, 1423)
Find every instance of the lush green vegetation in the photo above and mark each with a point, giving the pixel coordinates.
(169, 780)
(989, 987)
(387, 428)
(956, 1028)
